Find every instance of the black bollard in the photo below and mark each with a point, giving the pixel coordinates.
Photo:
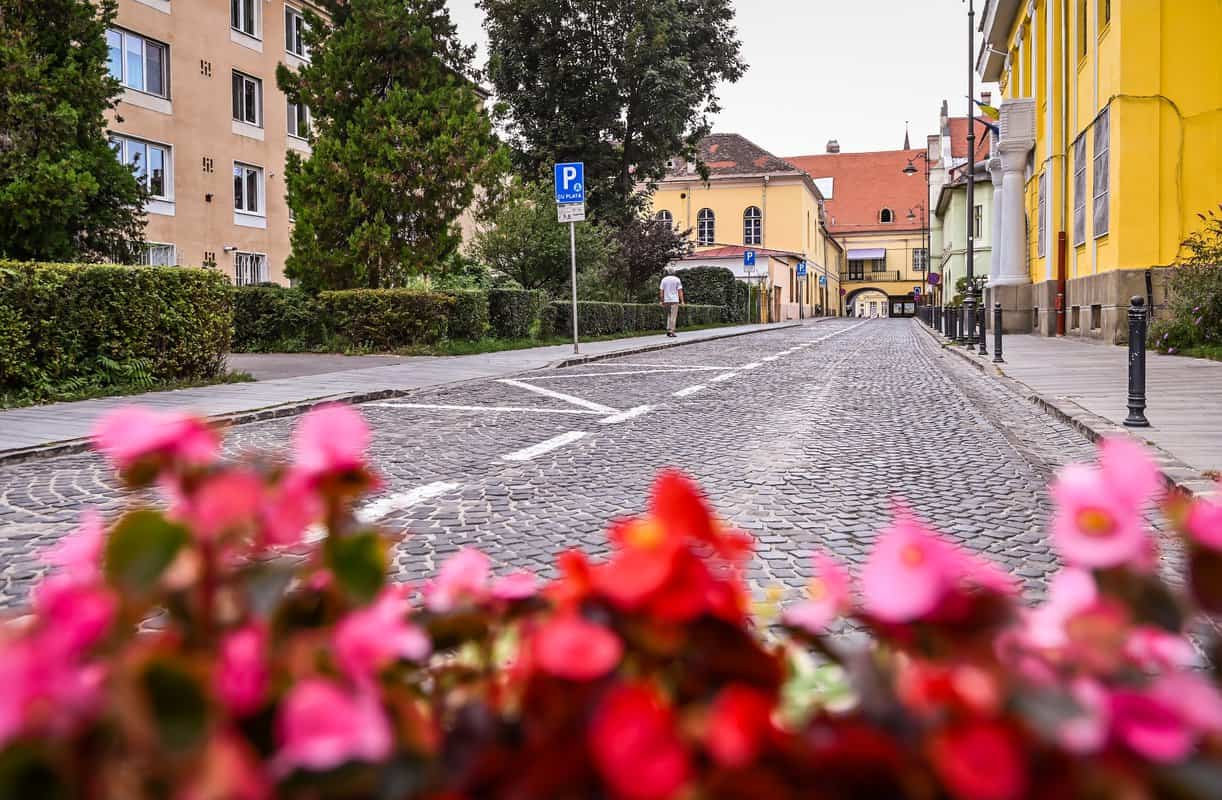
(1137, 364)
(954, 324)
(983, 351)
(997, 359)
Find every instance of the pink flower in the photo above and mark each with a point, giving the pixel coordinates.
(908, 572)
(80, 553)
(75, 614)
(132, 434)
(1195, 698)
(518, 586)
(370, 638)
(329, 439)
(568, 646)
(321, 727)
(242, 674)
(1155, 649)
(1151, 726)
(46, 689)
(1099, 521)
(1205, 522)
(829, 597)
(1086, 732)
(1070, 592)
(288, 509)
(222, 503)
(463, 577)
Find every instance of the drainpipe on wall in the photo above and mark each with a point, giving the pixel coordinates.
(764, 215)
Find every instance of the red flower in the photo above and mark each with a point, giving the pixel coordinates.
(979, 760)
(738, 724)
(635, 745)
(569, 647)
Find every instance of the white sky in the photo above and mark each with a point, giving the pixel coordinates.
(852, 70)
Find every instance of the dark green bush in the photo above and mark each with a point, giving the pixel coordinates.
(605, 319)
(76, 325)
(715, 286)
(273, 319)
(468, 316)
(386, 319)
(513, 313)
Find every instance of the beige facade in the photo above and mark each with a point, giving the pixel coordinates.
(214, 161)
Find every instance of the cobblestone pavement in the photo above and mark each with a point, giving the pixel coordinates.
(803, 436)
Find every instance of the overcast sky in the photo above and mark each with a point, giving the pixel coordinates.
(852, 70)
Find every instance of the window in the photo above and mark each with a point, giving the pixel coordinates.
(247, 189)
(242, 16)
(706, 226)
(294, 28)
(158, 255)
(977, 220)
(666, 218)
(138, 63)
(1079, 191)
(299, 120)
(247, 99)
(886, 216)
(150, 162)
(1102, 137)
(249, 268)
(1082, 37)
(1105, 12)
(1041, 238)
(920, 259)
(753, 231)
(878, 265)
(857, 270)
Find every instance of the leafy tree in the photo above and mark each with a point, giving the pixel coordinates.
(645, 247)
(63, 194)
(400, 144)
(622, 85)
(524, 242)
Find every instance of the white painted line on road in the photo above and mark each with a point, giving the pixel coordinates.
(514, 409)
(725, 376)
(388, 504)
(690, 390)
(624, 416)
(770, 359)
(752, 365)
(536, 450)
(568, 398)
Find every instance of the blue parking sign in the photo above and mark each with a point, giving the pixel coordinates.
(570, 183)
(801, 269)
(748, 258)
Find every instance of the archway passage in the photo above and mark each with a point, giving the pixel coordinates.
(871, 301)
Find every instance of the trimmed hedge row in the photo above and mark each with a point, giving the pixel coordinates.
(274, 319)
(716, 286)
(59, 321)
(384, 319)
(603, 319)
(514, 313)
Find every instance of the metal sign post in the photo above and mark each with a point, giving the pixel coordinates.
(571, 208)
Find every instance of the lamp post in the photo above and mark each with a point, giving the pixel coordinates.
(911, 170)
(969, 300)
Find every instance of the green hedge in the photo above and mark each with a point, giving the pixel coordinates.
(469, 316)
(715, 286)
(605, 319)
(386, 319)
(273, 319)
(62, 323)
(514, 313)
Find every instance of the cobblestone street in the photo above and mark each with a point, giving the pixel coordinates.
(802, 436)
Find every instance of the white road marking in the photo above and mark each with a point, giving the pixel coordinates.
(567, 376)
(388, 504)
(725, 376)
(770, 358)
(752, 365)
(624, 416)
(536, 450)
(568, 398)
(689, 390)
(516, 409)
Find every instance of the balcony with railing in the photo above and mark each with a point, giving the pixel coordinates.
(869, 276)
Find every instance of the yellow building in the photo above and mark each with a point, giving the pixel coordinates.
(1111, 144)
(754, 200)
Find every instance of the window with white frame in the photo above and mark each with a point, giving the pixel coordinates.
(977, 221)
(920, 259)
(665, 217)
(706, 226)
(244, 16)
(1041, 225)
(249, 268)
(150, 162)
(138, 63)
(294, 30)
(753, 226)
(1079, 191)
(886, 216)
(299, 120)
(1101, 172)
(247, 189)
(159, 255)
(247, 99)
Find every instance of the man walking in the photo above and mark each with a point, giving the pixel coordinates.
(670, 294)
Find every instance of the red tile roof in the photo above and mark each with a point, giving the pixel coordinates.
(958, 139)
(736, 251)
(732, 154)
(866, 183)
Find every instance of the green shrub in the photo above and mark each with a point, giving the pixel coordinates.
(386, 319)
(468, 315)
(715, 286)
(76, 325)
(514, 313)
(606, 319)
(1194, 292)
(273, 319)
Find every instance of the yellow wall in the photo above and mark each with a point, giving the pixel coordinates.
(1156, 67)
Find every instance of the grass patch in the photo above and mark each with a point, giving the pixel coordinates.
(93, 392)
(1213, 352)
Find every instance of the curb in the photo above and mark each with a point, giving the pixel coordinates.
(1094, 427)
(73, 446)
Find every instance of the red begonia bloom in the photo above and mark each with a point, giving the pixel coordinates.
(738, 725)
(568, 646)
(980, 759)
(289, 509)
(225, 501)
(1151, 726)
(322, 726)
(635, 745)
(242, 673)
(1204, 521)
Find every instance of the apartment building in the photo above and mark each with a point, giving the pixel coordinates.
(207, 129)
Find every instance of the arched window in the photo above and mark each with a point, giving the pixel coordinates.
(886, 215)
(666, 218)
(706, 224)
(753, 228)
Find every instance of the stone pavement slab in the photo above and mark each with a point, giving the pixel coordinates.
(269, 366)
(61, 427)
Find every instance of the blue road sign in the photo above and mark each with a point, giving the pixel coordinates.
(916, 290)
(801, 269)
(823, 280)
(748, 258)
(570, 183)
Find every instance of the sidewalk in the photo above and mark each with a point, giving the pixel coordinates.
(64, 427)
(1087, 383)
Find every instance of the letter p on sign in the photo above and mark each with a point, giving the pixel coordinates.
(570, 183)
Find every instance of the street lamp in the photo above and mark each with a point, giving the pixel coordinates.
(969, 300)
(910, 170)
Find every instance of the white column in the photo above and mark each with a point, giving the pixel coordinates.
(995, 226)
(1013, 263)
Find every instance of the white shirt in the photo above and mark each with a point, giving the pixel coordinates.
(671, 287)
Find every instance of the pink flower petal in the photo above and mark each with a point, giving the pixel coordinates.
(242, 673)
(906, 574)
(321, 727)
(570, 647)
(518, 586)
(1151, 726)
(130, 434)
(370, 638)
(330, 438)
(80, 553)
(463, 577)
